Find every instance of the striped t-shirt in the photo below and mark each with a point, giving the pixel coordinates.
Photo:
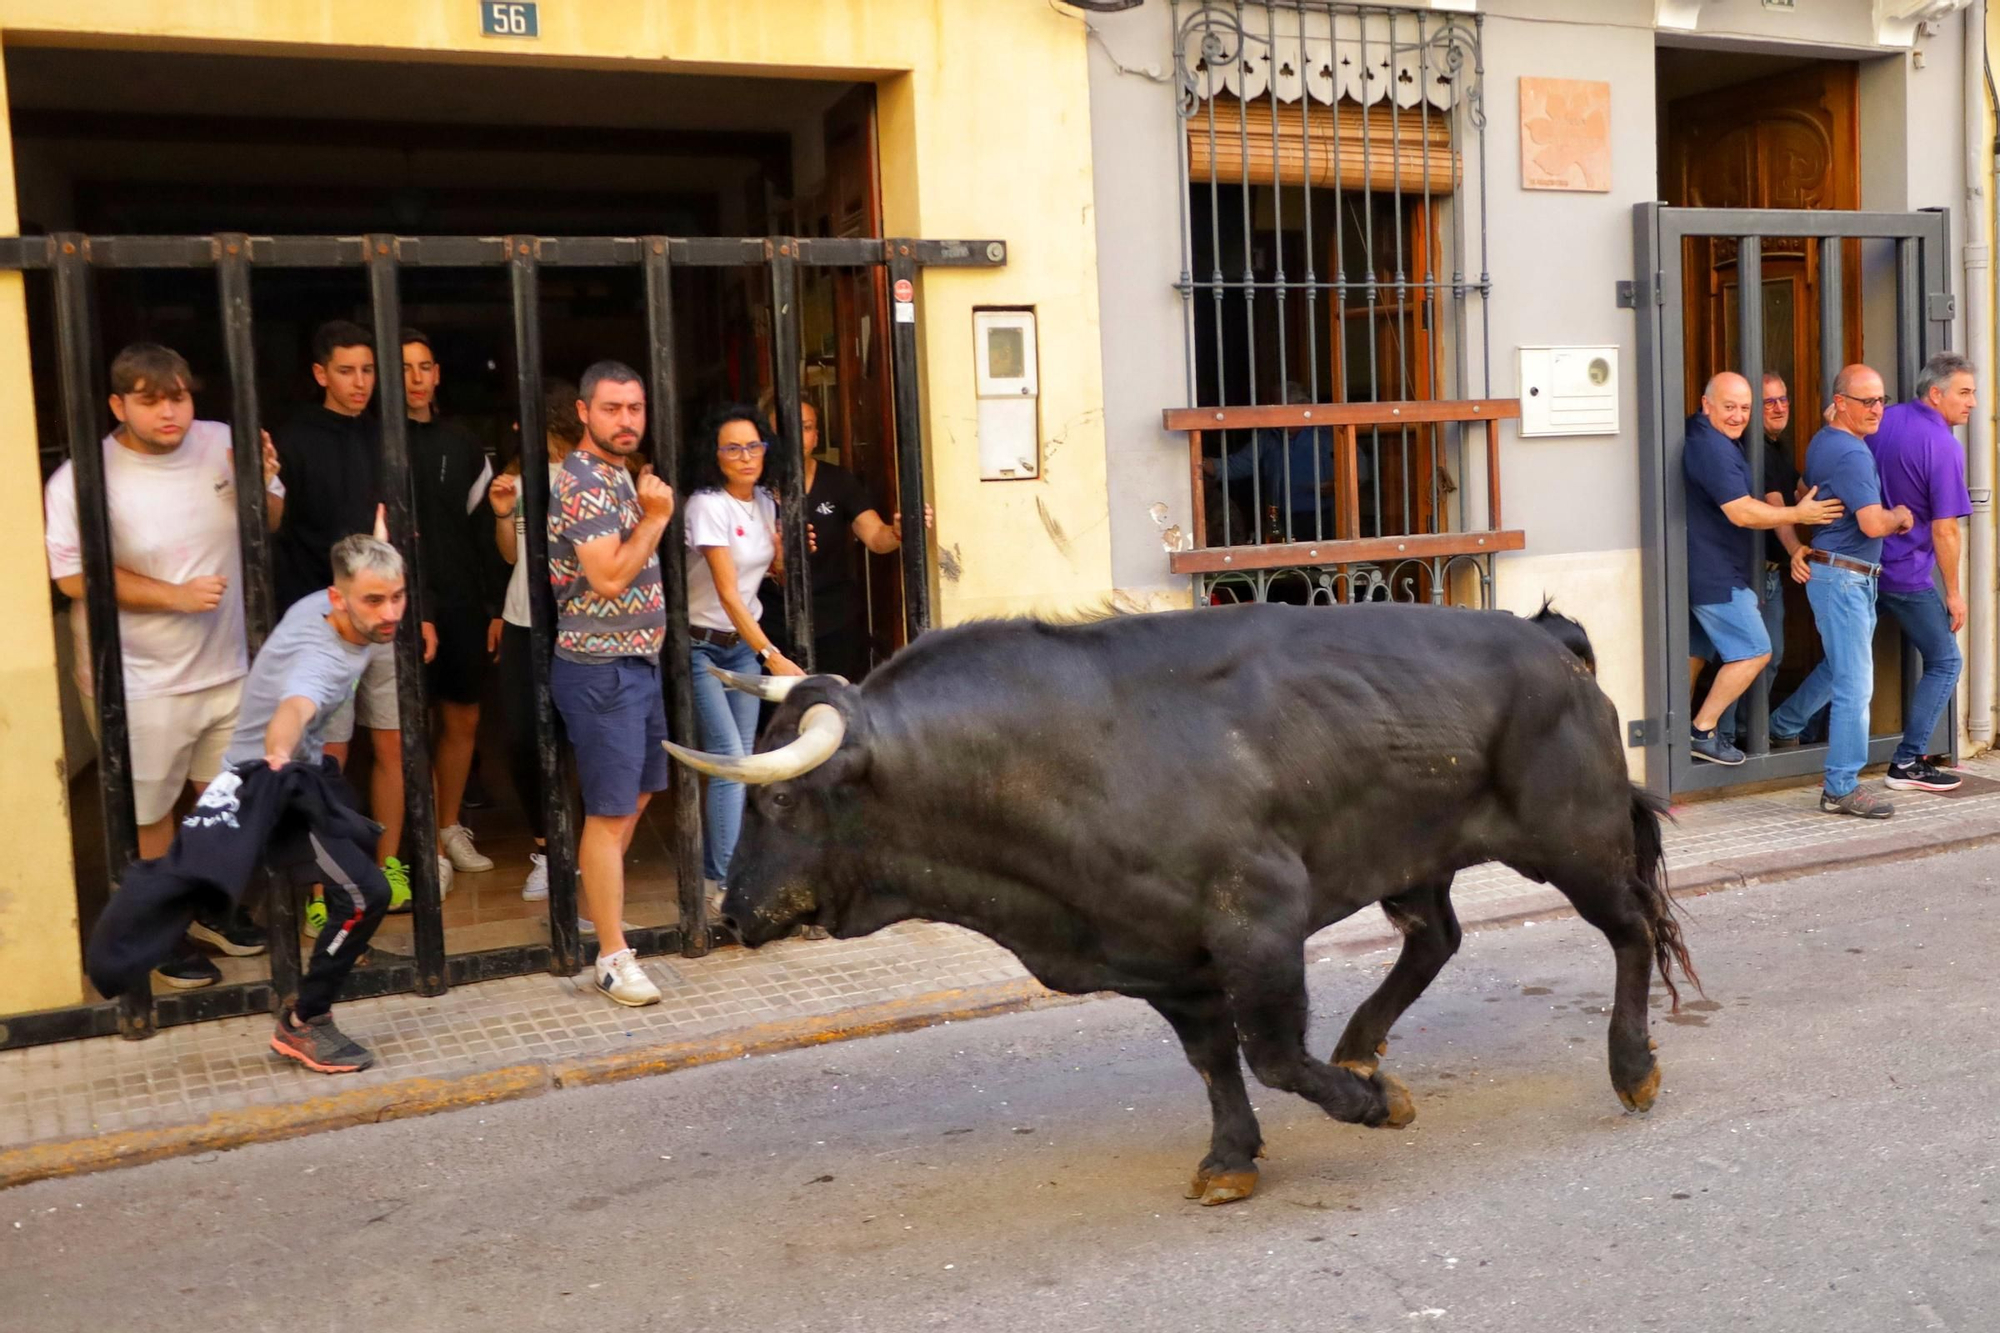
(593, 499)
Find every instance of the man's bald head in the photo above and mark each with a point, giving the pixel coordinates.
(1858, 400)
(1726, 403)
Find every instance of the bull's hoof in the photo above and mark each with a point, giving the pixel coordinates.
(1222, 1186)
(1366, 1068)
(1642, 1096)
(1402, 1110)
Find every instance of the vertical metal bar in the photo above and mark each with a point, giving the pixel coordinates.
(1430, 307)
(399, 494)
(676, 665)
(1670, 328)
(77, 358)
(1181, 169)
(1320, 454)
(524, 275)
(1657, 640)
(781, 262)
(1485, 266)
(910, 454)
(1750, 344)
(1402, 275)
(1909, 318)
(1215, 292)
(1278, 253)
(1370, 293)
(1257, 437)
(1832, 333)
(232, 283)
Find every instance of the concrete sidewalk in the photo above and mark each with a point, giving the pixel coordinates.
(88, 1105)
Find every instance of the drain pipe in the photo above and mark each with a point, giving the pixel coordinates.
(1982, 157)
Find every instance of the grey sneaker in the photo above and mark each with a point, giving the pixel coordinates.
(320, 1046)
(1712, 747)
(1861, 803)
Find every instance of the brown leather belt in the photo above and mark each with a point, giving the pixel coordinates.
(721, 638)
(1819, 557)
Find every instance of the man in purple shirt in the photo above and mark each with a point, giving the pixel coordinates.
(1923, 467)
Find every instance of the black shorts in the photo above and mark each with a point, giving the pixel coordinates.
(457, 675)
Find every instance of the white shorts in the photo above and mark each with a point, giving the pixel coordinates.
(374, 698)
(175, 739)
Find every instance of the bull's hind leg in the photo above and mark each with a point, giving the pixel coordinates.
(1614, 909)
(1264, 973)
(1430, 937)
(1229, 1172)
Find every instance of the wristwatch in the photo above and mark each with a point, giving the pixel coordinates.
(763, 653)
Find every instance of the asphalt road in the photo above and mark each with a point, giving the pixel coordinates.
(1823, 1157)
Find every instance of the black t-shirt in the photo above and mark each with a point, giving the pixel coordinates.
(836, 499)
(1782, 477)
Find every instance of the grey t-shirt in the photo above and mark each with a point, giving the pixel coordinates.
(304, 658)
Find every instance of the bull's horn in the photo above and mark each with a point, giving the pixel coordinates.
(820, 732)
(771, 689)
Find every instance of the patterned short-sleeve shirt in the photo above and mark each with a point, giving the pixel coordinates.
(594, 499)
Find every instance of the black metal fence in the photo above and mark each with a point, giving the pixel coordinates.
(73, 258)
(1328, 244)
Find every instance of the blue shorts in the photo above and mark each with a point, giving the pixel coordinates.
(1734, 629)
(616, 720)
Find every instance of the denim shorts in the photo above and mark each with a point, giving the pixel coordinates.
(1736, 627)
(616, 720)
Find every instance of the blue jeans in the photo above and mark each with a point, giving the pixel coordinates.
(1843, 604)
(725, 721)
(1774, 628)
(1927, 628)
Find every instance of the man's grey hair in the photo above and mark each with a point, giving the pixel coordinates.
(1938, 371)
(353, 554)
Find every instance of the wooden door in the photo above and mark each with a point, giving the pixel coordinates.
(1791, 141)
(863, 396)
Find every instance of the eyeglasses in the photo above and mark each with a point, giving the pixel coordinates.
(739, 451)
(1866, 404)
(1783, 400)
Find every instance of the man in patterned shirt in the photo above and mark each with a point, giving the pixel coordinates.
(604, 567)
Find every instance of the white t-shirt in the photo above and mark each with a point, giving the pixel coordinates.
(173, 518)
(515, 610)
(749, 528)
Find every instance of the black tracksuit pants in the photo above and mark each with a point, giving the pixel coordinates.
(357, 898)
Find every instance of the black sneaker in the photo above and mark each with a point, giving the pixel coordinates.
(1708, 745)
(1920, 775)
(187, 970)
(320, 1046)
(233, 934)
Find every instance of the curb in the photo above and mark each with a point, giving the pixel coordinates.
(414, 1097)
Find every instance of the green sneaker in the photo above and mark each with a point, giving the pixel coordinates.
(399, 885)
(315, 917)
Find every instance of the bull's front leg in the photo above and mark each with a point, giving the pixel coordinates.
(1430, 937)
(1229, 1172)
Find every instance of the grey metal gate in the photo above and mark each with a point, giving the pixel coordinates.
(1923, 308)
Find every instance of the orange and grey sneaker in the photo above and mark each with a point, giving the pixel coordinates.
(320, 1046)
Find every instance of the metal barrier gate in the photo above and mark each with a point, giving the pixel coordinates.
(72, 257)
(1923, 310)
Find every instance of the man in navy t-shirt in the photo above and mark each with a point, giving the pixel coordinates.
(1840, 570)
(1721, 502)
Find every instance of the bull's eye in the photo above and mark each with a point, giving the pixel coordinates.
(782, 799)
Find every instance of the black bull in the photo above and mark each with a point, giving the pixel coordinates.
(1167, 806)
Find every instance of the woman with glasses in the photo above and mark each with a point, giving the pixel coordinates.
(732, 536)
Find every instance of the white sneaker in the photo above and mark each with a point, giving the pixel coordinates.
(444, 878)
(537, 887)
(621, 978)
(457, 844)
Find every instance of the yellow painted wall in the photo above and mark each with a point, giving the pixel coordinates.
(985, 133)
(38, 953)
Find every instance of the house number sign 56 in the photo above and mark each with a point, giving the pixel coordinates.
(508, 18)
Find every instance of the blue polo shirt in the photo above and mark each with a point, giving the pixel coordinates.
(1718, 550)
(1842, 467)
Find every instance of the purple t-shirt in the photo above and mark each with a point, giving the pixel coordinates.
(1922, 466)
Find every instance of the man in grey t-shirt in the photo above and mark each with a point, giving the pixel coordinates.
(307, 669)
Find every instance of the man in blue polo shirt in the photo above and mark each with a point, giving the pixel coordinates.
(1923, 469)
(1720, 503)
(1840, 570)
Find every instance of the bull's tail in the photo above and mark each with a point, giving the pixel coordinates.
(1567, 632)
(1649, 885)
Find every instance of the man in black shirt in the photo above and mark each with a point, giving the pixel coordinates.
(1781, 488)
(462, 587)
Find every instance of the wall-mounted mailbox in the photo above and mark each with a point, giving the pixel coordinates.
(1569, 391)
(1009, 388)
